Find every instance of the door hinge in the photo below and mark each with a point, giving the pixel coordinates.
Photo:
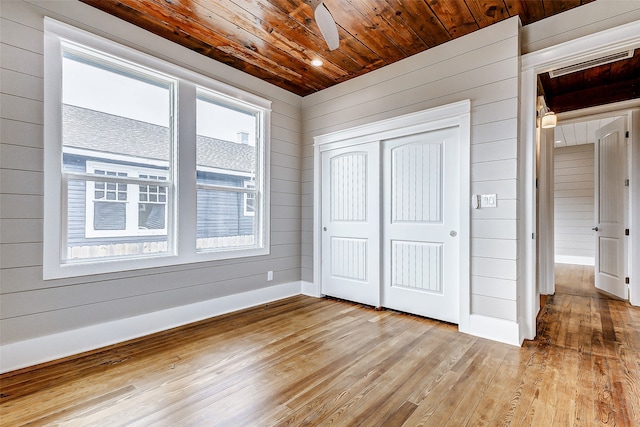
(626, 134)
(626, 280)
(626, 182)
(626, 231)
(537, 182)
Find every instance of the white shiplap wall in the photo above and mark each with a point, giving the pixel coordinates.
(31, 307)
(482, 67)
(578, 22)
(574, 204)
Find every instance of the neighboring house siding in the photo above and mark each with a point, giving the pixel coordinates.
(574, 204)
(221, 214)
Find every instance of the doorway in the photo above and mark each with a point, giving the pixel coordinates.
(569, 53)
(575, 208)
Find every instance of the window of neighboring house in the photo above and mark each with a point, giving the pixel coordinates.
(249, 199)
(131, 180)
(117, 209)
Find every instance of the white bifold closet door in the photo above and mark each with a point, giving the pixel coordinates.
(420, 224)
(351, 223)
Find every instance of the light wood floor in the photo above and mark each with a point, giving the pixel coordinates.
(306, 361)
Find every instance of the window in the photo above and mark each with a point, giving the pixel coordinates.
(249, 199)
(227, 150)
(117, 209)
(133, 181)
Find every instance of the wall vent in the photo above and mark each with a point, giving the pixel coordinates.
(591, 63)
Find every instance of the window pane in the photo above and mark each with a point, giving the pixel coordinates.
(110, 110)
(109, 216)
(226, 144)
(151, 216)
(116, 124)
(221, 223)
(227, 156)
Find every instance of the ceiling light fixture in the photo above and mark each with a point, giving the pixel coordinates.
(549, 120)
(317, 62)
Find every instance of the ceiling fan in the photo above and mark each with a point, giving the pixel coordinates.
(326, 23)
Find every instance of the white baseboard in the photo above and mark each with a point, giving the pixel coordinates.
(575, 260)
(38, 350)
(310, 289)
(495, 329)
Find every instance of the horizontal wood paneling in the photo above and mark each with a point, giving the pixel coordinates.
(20, 230)
(31, 307)
(20, 84)
(492, 287)
(574, 201)
(494, 307)
(495, 150)
(16, 206)
(483, 67)
(22, 60)
(21, 133)
(21, 158)
(66, 297)
(22, 109)
(587, 19)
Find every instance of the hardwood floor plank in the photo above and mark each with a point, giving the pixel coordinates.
(326, 362)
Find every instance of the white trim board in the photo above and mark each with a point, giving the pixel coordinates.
(495, 329)
(309, 289)
(47, 348)
(581, 49)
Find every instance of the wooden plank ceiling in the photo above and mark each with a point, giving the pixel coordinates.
(276, 40)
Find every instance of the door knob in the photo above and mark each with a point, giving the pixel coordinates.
(595, 228)
(453, 233)
(325, 228)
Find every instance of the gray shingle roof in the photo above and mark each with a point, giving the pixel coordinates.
(98, 131)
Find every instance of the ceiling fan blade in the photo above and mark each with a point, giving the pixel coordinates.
(327, 26)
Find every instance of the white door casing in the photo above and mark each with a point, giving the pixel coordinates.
(350, 224)
(421, 221)
(610, 175)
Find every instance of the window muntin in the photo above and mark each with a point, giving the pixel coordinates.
(176, 245)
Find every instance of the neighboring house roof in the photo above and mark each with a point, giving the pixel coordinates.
(107, 133)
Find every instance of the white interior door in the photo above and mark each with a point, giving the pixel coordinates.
(610, 178)
(421, 222)
(351, 223)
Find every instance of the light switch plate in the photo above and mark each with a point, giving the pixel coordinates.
(489, 201)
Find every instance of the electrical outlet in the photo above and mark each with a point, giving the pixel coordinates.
(269, 276)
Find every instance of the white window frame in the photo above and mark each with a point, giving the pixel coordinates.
(182, 236)
(132, 203)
